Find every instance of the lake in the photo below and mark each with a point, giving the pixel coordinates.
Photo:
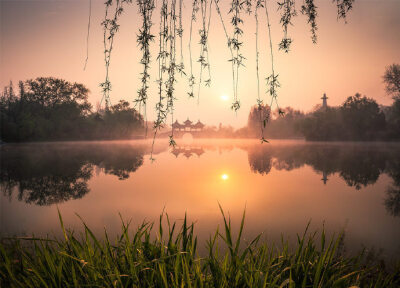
(354, 187)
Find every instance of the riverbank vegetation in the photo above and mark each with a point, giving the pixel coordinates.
(46, 109)
(54, 109)
(170, 257)
(359, 118)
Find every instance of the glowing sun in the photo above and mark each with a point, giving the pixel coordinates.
(224, 176)
(224, 97)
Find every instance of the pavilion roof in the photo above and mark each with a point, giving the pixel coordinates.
(199, 125)
(188, 122)
(176, 124)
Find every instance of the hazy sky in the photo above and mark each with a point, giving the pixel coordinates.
(48, 38)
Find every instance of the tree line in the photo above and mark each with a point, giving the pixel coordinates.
(359, 118)
(48, 108)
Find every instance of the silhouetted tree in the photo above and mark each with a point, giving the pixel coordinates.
(323, 125)
(284, 124)
(391, 79)
(362, 118)
(393, 120)
(258, 114)
(55, 109)
(359, 118)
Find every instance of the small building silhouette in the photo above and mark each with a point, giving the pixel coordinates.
(324, 101)
(188, 126)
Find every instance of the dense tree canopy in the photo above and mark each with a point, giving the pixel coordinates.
(392, 80)
(55, 109)
(362, 118)
(358, 118)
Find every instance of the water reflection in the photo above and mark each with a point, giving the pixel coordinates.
(392, 201)
(357, 166)
(187, 151)
(45, 174)
(281, 184)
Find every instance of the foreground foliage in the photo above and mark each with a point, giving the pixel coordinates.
(171, 260)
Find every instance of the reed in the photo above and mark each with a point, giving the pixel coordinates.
(150, 257)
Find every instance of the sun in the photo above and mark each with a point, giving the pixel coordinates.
(224, 97)
(224, 176)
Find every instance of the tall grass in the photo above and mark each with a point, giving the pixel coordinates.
(150, 257)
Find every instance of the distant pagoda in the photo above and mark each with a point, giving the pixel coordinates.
(188, 126)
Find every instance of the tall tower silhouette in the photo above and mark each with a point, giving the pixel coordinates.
(324, 101)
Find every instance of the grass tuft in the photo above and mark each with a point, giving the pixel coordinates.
(143, 258)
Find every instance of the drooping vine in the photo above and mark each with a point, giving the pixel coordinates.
(236, 44)
(88, 35)
(170, 84)
(343, 7)
(288, 12)
(168, 66)
(248, 6)
(171, 30)
(229, 46)
(192, 80)
(144, 38)
(272, 80)
(204, 56)
(161, 109)
(259, 4)
(110, 28)
(310, 10)
(181, 66)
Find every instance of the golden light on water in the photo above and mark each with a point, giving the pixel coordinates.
(224, 176)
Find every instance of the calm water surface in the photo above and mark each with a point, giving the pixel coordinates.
(283, 185)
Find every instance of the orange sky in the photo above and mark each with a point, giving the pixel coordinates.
(48, 38)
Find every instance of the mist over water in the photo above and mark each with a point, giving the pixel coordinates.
(283, 185)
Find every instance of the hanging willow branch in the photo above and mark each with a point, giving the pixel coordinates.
(88, 35)
(288, 12)
(228, 43)
(171, 28)
(181, 66)
(192, 80)
(236, 44)
(162, 58)
(343, 7)
(310, 10)
(272, 80)
(204, 56)
(110, 28)
(144, 38)
(170, 85)
(259, 4)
